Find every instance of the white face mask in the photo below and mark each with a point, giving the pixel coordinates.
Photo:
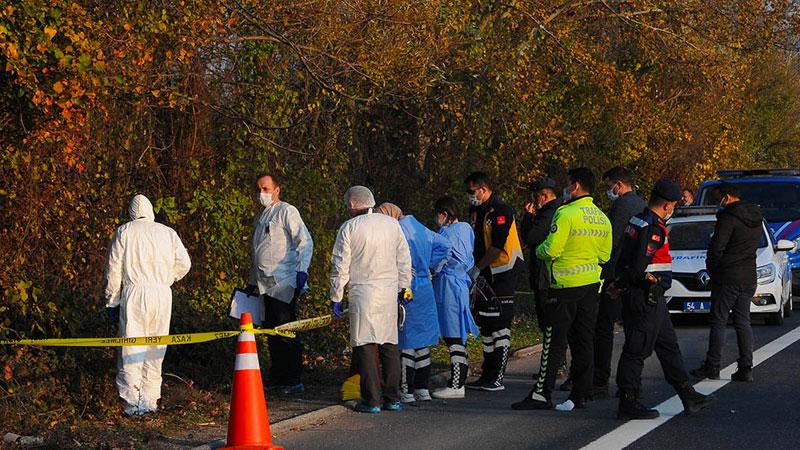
(265, 199)
(567, 193)
(612, 195)
(473, 200)
(441, 220)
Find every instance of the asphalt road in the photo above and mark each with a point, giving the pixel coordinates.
(760, 415)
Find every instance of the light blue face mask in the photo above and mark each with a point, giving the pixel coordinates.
(566, 194)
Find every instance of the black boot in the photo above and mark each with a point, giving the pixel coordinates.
(532, 401)
(743, 374)
(705, 371)
(693, 401)
(501, 360)
(486, 371)
(631, 409)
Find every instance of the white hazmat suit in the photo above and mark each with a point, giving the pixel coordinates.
(372, 258)
(146, 257)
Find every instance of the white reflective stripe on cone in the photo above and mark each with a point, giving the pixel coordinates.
(247, 361)
(247, 337)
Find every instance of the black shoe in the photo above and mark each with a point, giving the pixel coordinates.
(493, 386)
(566, 386)
(631, 409)
(694, 401)
(743, 374)
(705, 371)
(600, 392)
(476, 385)
(533, 401)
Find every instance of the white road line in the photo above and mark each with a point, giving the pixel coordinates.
(633, 430)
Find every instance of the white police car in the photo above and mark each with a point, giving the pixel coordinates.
(690, 231)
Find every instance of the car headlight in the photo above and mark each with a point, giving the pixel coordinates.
(766, 274)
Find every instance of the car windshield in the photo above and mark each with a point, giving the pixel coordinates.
(695, 235)
(779, 200)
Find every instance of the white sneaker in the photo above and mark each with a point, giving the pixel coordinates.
(448, 392)
(132, 411)
(407, 398)
(422, 395)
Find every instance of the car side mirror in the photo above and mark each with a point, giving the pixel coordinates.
(785, 246)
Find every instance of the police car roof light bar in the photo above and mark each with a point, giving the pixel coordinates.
(758, 172)
(686, 211)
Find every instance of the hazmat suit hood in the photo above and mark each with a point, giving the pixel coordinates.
(141, 208)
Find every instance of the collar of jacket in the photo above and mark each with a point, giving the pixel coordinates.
(655, 217)
(577, 199)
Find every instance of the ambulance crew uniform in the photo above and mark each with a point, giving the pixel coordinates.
(647, 324)
(494, 226)
(578, 243)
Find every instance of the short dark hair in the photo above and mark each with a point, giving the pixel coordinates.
(657, 200)
(731, 189)
(448, 206)
(274, 178)
(548, 189)
(584, 176)
(618, 173)
(480, 179)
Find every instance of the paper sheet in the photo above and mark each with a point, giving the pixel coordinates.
(241, 303)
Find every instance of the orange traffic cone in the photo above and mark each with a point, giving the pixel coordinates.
(248, 424)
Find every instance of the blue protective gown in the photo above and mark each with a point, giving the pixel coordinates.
(428, 254)
(451, 285)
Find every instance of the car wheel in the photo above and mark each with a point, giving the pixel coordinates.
(776, 318)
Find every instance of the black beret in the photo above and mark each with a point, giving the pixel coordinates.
(542, 183)
(668, 190)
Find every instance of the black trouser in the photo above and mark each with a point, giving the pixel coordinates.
(569, 315)
(286, 354)
(415, 369)
(459, 366)
(494, 318)
(648, 328)
(608, 314)
(727, 298)
(372, 376)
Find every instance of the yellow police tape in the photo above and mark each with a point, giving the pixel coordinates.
(286, 330)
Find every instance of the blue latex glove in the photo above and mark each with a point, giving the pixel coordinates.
(338, 309)
(301, 279)
(113, 314)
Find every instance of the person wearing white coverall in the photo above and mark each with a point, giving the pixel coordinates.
(281, 249)
(371, 257)
(146, 257)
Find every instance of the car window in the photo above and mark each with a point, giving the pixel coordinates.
(696, 235)
(779, 200)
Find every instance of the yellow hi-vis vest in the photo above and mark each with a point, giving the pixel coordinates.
(510, 253)
(578, 243)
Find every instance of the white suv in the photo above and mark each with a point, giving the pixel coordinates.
(690, 231)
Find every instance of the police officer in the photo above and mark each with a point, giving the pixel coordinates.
(497, 252)
(578, 243)
(535, 227)
(644, 272)
(626, 204)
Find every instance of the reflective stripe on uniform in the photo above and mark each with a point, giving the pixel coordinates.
(664, 267)
(638, 222)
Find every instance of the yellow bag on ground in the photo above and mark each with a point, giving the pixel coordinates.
(351, 388)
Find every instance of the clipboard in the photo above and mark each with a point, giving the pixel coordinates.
(242, 303)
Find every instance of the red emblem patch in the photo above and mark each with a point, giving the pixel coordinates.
(501, 220)
(656, 238)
